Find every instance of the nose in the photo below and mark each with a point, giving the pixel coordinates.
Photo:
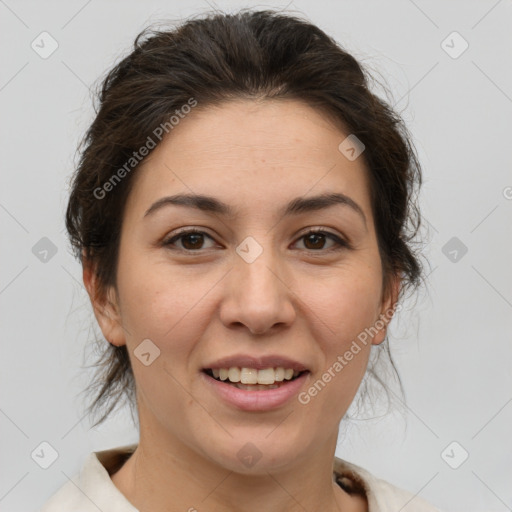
(258, 295)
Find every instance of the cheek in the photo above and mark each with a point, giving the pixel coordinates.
(342, 313)
(163, 304)
(345, 304)
(167, 310)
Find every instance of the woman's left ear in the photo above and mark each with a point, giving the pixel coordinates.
(389, 304)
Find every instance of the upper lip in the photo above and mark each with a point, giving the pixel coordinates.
(256, 362)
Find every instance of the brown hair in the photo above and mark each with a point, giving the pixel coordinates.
(215, 58)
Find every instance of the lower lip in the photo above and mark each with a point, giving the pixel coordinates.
(263, 400)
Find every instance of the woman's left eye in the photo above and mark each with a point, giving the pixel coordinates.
(318, 237)
(192, 240)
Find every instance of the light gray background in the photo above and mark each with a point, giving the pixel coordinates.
(453, 350)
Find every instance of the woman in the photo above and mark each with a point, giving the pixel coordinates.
(242, 211)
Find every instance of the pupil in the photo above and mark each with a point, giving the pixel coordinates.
(312, 237)
(188, 237)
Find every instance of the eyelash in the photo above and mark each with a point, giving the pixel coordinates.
(340, 243)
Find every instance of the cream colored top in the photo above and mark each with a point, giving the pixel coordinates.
(92, 489)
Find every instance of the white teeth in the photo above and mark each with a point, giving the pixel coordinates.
(279, 374)
(250, 376)
(266, 376)
(234, 374)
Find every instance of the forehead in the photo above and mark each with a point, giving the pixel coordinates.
(251, 153)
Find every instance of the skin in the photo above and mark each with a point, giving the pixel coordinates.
(297, 299)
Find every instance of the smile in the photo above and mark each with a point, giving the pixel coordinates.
(241, 387)
(252, 379)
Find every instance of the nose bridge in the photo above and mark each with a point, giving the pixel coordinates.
(257, 265)
(258, 297)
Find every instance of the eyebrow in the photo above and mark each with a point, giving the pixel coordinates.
(296, 206)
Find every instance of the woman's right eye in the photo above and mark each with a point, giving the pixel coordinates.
(191, 240)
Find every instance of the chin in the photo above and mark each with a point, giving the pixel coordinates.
(259, 453)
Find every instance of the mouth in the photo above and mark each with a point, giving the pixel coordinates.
(252, 379)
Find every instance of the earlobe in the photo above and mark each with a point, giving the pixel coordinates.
(381, 325)
(389, 305)
(105, 307)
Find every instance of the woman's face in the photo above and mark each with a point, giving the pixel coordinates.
(253, 290)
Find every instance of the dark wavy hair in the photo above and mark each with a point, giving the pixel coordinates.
(215, 58)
